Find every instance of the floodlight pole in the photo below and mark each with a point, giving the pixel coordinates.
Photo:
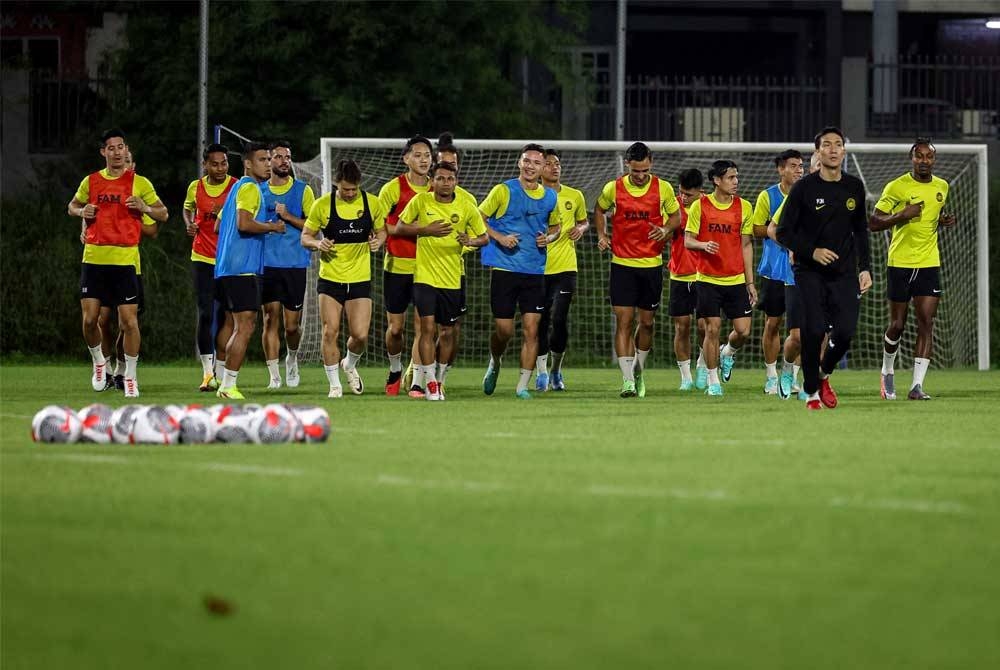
(202, 85)
(620, 73)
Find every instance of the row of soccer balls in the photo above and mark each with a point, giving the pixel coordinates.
(177, 424)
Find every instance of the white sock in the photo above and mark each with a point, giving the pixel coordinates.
(352, 359)
(772, 369)
(120, 367)
(428, 372)
(685, 368)
(229, 379)
(713, 376)
(795, 371)
(130, 363)
(333, 375)
(823, 375)
(920, 366)
(522, 382)
(418, 376)
(220, 368)
(542, 365)
(495, 362)
(206, 363)
(272, 369)
(292, 358)
(889, 360)
(640, 358)
(396, 362)
(814, 396)
(728, 350)
(627, 364)
(700, 363)
(787, 368)
(443, 371)
(557, 359)
(97, 355)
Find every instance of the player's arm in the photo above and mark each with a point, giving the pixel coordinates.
(379, 233)
(475, 224)
(947, 219)
(862, 244)
(552, 233)
(761, 215)
(310, 237)
(189, 210)
(388, 197)
(671, 208)
(582, 224)
(789, 232)
(692, 230)
(287, 217)
(245, 223)
(80, 206)
(498, 195)
(881, 219)
(747, 243)
(605, 201)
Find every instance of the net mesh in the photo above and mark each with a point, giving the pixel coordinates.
(484, 164)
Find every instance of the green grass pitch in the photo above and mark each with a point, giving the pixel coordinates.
(577, 530)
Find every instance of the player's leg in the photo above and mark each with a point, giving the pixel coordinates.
(680, 307)
(119, 350)
(736, 306)
(395, 317)
(544, 324)
(270, 342)
(425, 314)
(243, 302)
(503, 305)
(559, 338)
(417, 381)
(109, 346)
(792, 343)
(358, 309)
(202, 276)
(925, 309)
(92, 294)
(650, 295)
(529, 348)
(772, 303)
(701, 368)
(709, 310)
(295, 293)
(812, 298)
(456, 334)
(331, 306)
(844, 305)
(127, 299)
(898, 297)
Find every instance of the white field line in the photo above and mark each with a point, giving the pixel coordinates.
(237, 468)
(463, 484)
(894, 504)
(87, 458)
(679, 494)
(240, 468)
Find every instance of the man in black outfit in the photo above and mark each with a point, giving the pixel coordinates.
(825, 227)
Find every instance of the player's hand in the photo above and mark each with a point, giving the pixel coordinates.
(463, 239)
(216, 208)
(437, 229)
(864, 281)
(948, 220)
(541, 240)
(324, 245)
(824, 256)
(711, 247)
(374, 243)
(912, 211)
(576, 232)
(752, 293)
(280, 210)
(603, 242)
(279, 227)
(135, 202)
(657, 233)
(508, 241)
(192, 229)
(83, 236)
(89, 212)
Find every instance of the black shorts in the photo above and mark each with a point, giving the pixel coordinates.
(772, 297)
(906, 283)
(793, 307)
(733, 301)
(560, 283)
(463, 305)
(342, 292)
(284, 285)
(141, 302)
(635, 287)
(444, 304)
(238, 294)
(112, 285)
(512, 290)
(683, 298)
(398, 292)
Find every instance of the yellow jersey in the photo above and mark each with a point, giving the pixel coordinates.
(439, 259)
(915, 242)
(113, 255)
(561, 254)
(348, 262)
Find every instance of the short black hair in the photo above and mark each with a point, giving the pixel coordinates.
(782, 158)
(347, 170)
(444, 165)
(922, 142)
(720, 167)
(415, 140)
(284, 144)
(446, 143)
(691, 178)
(111, 132)
(638, 151)
(252, 147)
(212, 149)
(826, 131)
(532, 146)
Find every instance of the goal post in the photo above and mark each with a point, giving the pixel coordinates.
(961, 335)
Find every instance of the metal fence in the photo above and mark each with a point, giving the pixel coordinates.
(59, 109)
(717, 109)
(944, 97)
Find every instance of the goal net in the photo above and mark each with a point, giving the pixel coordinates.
(960, 334)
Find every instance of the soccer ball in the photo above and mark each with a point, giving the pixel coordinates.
(196, 426)
(56, 423)
(176, 411)
(315, 422)
(154, 425)
(96, 423)
(233, 424)
(122, 420)
(275, 424)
